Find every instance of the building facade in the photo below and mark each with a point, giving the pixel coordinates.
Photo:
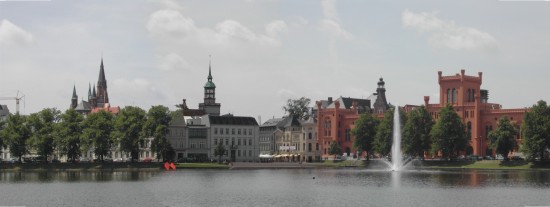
(267, 136)
(471, 103)
(239, 135)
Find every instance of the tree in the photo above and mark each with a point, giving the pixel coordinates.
(448, 134)
(416, 132)
(128, 128)
(298, 107)
(43, 126)
(69, 134)
(364, 132)
(502, 139)
(536, 131)
(156, 126)
(2, 124)
(384, 131)
(334, 149)
(17, 133)
(219, 151)
(97, 133)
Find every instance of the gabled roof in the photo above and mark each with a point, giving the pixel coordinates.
(83, 106)
(272, 122)
(289, 121)
(232, 120)
(347, 103)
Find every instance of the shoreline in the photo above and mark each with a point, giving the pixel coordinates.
(358, 164)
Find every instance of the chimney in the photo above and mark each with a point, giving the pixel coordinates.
(329, 100)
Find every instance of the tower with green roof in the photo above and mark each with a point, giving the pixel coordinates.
(209, 105)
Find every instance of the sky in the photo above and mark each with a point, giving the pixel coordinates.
(265, 52)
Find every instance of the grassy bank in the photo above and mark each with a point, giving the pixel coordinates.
(342, 163)
(80, 166)
(202, 166)
(486, 164)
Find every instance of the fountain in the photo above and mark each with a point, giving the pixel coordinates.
(397, 156)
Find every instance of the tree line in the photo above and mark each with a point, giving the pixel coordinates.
(71, 133)
(447, 136)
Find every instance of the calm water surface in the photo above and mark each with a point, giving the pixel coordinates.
(292, 187)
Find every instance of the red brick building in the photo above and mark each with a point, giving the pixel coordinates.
(470, 102)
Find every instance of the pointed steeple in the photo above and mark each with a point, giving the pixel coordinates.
(210, 70)
(89, 91)
(74, 92)
(101, 78)
(94, 95)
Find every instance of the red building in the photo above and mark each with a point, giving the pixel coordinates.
(335, 119)
(470, 102)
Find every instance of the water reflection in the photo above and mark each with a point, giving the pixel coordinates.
(74, 176)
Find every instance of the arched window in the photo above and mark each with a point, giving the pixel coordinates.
(469, 95)
(448, 95)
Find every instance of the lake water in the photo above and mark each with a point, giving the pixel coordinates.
(277, 187)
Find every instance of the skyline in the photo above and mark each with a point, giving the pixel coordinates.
(264, 53)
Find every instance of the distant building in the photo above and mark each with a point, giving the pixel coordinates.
(335, 120)
(239, 135)
(4, 112)
(311, 150)
(267, 136)
(97, 100)
(289, 139)
(209, 105)
(471, 103)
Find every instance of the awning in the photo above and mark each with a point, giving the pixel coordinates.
(266, 156)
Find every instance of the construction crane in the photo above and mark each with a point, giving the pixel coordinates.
(17, 98)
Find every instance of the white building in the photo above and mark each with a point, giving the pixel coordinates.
(239, 136)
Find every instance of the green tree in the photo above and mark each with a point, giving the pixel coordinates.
(97, 133)
(2, 124)
(384, 131)
(448, 134)
(43, 126)
(156, 126)
(416, 132)
(17, 133)
(298, 107)
(335, 149)
(536, 131)
(128, 128)
(502, 139)
(69, 134)
(219, 151)
(364, 132)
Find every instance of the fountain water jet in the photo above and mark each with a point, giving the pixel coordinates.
(397, 156)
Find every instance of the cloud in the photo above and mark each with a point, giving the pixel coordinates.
(444, 33)
(330, 21)
(172, 24)
(274, 28)
(11, 34)
(128, 91)
(334, 29)
(172, 61)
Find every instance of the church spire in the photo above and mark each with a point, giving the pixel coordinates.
(210, 69)
(89, 92)
(101, 78)
(74, 92)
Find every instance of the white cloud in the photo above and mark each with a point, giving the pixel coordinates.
(274, 28)
(330, 22)
(172, 61)
(334, 29)
(11, 34)
(444, 33)
(128, 91)
(170, 23)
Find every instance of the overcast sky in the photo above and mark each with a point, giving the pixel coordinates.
(265, 52)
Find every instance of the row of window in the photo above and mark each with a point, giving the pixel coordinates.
(238, 131)
(197, 145)
(244, 153)
(240, 142)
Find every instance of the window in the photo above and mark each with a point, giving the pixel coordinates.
(309, 135)
(202, 145)
(226, 141)
(221, 130)
(239, 131)
(454, 95)
(250, 153)
(448, 95)
(239, 142)
(317, 146)
(244, 142)
(232, 141)
(348, 135)
(469, 128)
(215, 141)
(309, 147)
(215, 130)
(238, 153)
(226, 130)
(232, 131)
(250, 142)
(249, 131)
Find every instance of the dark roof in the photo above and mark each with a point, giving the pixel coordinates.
(272, 122)
(101, 78)
(233, 120)
(365, 103)
(288, 122)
